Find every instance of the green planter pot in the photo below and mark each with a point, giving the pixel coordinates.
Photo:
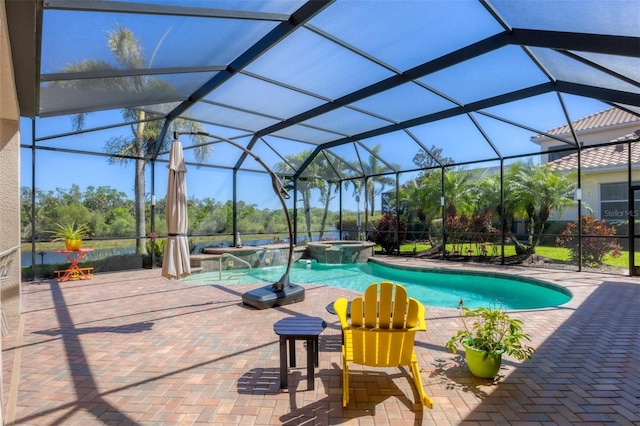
(483, 368)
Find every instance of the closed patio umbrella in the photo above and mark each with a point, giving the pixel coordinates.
(176, 263)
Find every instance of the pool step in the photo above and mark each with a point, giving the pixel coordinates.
(200, 276)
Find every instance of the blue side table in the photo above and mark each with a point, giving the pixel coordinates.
(299, 328)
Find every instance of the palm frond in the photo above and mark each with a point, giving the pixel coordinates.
(126, 48)
(119, 146)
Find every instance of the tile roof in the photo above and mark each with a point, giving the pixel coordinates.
(606, 118)
(602, 156)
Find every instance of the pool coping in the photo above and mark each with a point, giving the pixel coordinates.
(493, 274)
(580, 284)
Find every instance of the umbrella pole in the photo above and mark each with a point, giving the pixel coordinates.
(284, 281)
(278, 188)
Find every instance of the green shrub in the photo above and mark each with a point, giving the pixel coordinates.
(385, 232)
(595, 244)
(160, 245)
(349, 227)
(477, 230)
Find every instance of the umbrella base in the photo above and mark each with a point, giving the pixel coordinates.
(267, 297)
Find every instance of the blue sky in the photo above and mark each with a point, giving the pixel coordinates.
(326, 70)
(53, 167)
(61, 170)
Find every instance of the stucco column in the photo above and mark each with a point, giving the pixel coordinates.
(10, 297)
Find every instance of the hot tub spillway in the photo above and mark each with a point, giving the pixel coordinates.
(333, 255)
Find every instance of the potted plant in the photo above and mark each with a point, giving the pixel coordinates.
(71, 234)
(487, 334)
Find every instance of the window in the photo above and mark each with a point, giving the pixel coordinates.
(614, 204)
(556, 155)
(560, 151)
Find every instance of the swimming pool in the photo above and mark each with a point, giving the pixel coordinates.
(433, 287)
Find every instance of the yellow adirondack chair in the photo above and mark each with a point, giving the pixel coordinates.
(381, 334)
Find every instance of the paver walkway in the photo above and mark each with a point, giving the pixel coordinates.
(137, 349)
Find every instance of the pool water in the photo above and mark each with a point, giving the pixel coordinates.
(440, 288)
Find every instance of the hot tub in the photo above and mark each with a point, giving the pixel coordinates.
(256, 256)
(340, 252)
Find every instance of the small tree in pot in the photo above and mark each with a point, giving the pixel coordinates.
(487, 334)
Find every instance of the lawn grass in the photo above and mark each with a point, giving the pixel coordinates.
(560, 254)
(557, 253)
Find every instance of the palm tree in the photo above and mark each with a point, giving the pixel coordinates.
(485, 194)
(327, 186)
(422, 198)
(377, 182)
(304, 186)
(322, 176)
(535, 192)
(143, 142)
(457, 191)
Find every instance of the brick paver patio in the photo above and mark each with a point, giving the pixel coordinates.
(136, 349)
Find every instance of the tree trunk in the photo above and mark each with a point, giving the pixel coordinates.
(372, 200)
(327, 200)
(139, 189)
(307, 212)
(307, 218)
(521, 249)
(545, 212)
(141, 242)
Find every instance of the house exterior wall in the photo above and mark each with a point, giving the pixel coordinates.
(10, 296)
(593, 177)
(591, 195)
(591, 190)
